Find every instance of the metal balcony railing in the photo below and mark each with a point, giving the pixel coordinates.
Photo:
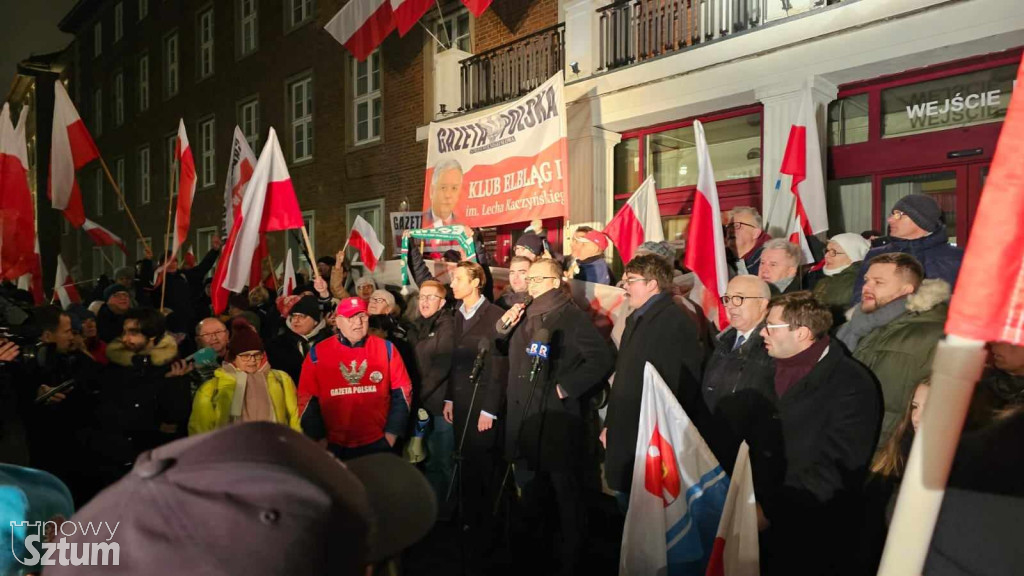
(632, 31)
(512, 70)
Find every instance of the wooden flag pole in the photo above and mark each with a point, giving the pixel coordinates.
(117, 190)
(167, 239)
(309, 249)
(273, 271)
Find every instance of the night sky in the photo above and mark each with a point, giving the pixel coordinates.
(29, 27)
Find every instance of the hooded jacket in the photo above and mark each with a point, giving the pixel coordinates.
(212, 406)
(939, 259)
(900, 353)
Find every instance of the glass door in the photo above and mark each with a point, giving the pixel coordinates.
(948, 187)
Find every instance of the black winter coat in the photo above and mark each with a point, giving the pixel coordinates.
(490, 395)
(580, 362)
(434, 342)
(288, 350)
(666, 337)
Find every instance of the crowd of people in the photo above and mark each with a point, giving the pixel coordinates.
(823, 371)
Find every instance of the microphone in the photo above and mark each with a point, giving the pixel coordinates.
(506, 326)
(539, 350)
(478, 364)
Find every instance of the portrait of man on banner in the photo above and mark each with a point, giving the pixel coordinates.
(445, 187)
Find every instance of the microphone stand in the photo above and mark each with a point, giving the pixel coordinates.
(474, 379)
(534, 371)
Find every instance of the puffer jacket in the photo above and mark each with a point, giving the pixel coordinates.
(900, 353)
(836, 292)
(939, 259)
(211, 408)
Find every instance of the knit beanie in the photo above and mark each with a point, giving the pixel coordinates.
(532, 242)
(854, 245)
(243, 338)
(922, 209)
(114, 289)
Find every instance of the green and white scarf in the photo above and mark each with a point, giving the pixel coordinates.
(444, 233)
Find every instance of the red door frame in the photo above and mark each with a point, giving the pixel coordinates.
(880, 158)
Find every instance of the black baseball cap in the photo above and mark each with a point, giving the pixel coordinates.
(256, 499)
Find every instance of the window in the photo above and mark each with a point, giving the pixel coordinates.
(248, 30)
(144, 175)
(734, 143)
(297, 247)
(848, 120)
(849, 205)
(454, 32)
(373, 212)
(204, 240)
(205, 37)
(367, 100)
(627, 166)
(97, 39)
(171, 65)
(249, 122)
(299, 11)
(140, 247)
(98, 261)
(143, 82)
(119, 178)
(143, 9)
(97, 112)
(301, 94)
(118, 21)
(119, 99)
(171, 175)
(207, 145)
(98, 187)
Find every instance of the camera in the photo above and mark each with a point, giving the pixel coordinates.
(32, 351)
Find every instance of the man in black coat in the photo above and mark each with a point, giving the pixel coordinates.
(659, 332)
(546, 438)
(306, 328)
(184, 288)
(830, 412)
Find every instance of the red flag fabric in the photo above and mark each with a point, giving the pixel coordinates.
(477, 7)
(988, 302)
(17, 216)
(408, 13)
(364, 239)
(240, 167)
(71, 148)
(638, 220)
(64, 285)
(102, 237)
(705, 243)
(735, 552)
(186, 188)
(32, 281)
(802, 161)
(361, 26)
(269, 205)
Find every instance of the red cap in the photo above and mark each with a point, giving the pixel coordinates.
(349, 307)
(597, 238)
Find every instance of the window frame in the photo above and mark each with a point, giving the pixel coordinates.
(119, 115)
(374, 93)
(171, 70)
(143, 9)
(145, 176)
(118, 22)
(98, 190)
(243, 20)
(306, 120)
(453, 18)
(119, 178)
(143, 82)
(172, 172)
(378, 227)
(205, 45)
(207, 179)
(97, 112)
(252, 102)
(289, 16)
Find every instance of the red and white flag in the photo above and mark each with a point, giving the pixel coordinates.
(988, 302)
(32, 281)
(17, 214)
(705, 242)
(408, 13)
(364, 239)
(736, 550)
(638, 221)
(269, 205)
(678, 491)
(288, 284)
(477, 7)
(102, 237)
(240, 167)
(186, 188)
(64, 284)
(361, 26)
(798, 236)
(71, 148)
(802, 161)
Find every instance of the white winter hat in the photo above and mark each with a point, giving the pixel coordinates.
(855, 246)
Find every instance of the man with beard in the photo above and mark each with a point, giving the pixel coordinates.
(517, 288)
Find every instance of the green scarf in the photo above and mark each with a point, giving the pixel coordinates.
(445, 233)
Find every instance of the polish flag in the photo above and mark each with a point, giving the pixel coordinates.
(64, 284)
(736, 550)
(103, 237)
(240, 167)
(289, 275)
(364, 239)
(32, 281)
(17, 214)
(186, 187)
(268, 205)
(638, 221)
(798, 236)
(408, 13)
(705, 242)
(477, 7)
(802, 161)
(362, 25)
(678, 491)
(71, 148)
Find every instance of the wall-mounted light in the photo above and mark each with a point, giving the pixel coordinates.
(575, 67)
(404, 205)
(444, 108)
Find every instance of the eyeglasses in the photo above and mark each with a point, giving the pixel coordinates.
(831, 252)
(897, 214)
(737, 300)
(212, 334)
(379, 300)
(771, 327)
(539, 279)
(429, 297)
(251, 356)
(738, 225)
(632, 280)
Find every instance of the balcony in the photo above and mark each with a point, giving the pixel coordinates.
(512, 70)
(633, 31)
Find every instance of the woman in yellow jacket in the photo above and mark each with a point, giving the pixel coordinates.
(244, 388)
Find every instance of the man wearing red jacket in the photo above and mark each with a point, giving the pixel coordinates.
(354, 389)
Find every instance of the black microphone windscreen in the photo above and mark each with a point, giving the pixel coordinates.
(483, 345)
(542, 335)
(527, 300)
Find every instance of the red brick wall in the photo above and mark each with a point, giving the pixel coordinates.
(507, 20)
